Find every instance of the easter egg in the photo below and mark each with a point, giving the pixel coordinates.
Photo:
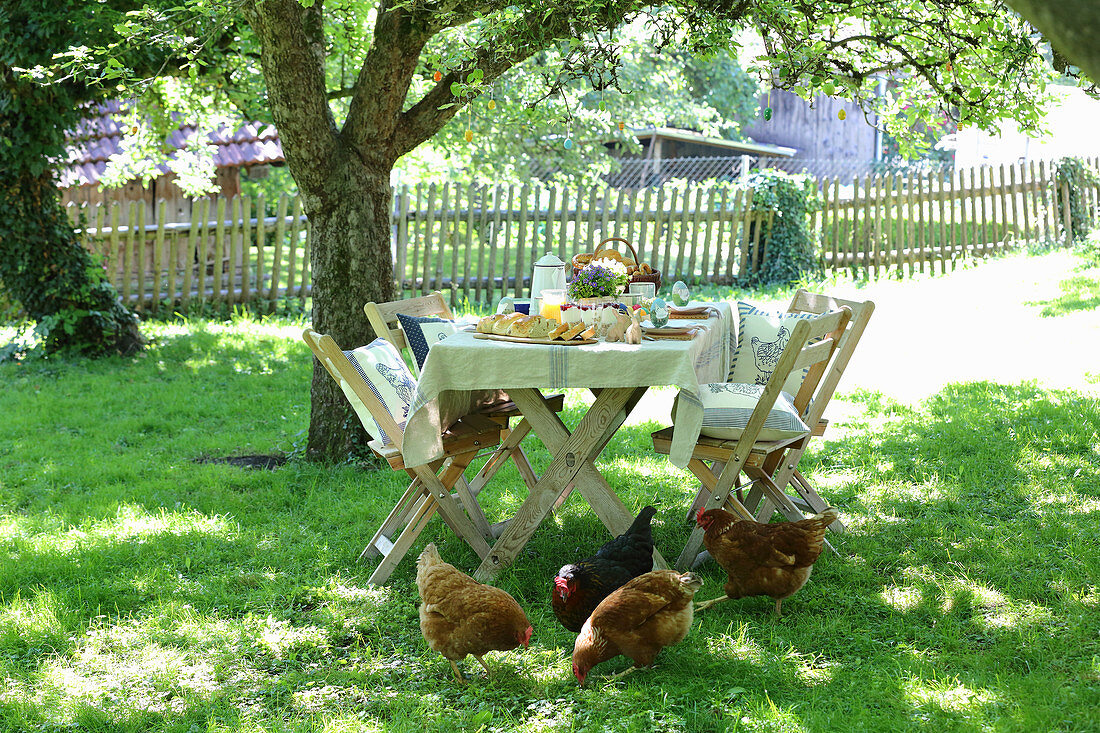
(469, 135)
(437, 76)
(568, 143)
(767, 113)
(492, 104)
(842, 114)
(829, 88)
(659, 313)
(622, 125)
(680, 293)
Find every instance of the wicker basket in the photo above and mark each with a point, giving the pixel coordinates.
(603, 251)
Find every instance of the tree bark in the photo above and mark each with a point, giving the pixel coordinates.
(346, 195)
(352, 265)
(1071, 26)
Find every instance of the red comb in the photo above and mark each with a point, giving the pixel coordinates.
(699, 515)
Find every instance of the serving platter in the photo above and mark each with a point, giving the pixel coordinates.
(545, 342)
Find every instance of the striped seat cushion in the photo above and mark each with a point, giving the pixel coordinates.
(727, 407)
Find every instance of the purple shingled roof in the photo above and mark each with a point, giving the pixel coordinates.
(97, 138)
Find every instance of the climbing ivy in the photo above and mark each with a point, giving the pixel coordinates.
(788, 249)
(43, 266)
(1076, 175)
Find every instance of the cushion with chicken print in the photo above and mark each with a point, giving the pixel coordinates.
(389, 378)
(761, 337)
(728, 406)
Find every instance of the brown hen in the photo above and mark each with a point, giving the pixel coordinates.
(460, 616)
(763, 559)
(647, 614)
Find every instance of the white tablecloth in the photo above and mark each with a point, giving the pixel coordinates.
(462, 365)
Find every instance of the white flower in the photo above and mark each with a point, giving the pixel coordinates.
(614, 265)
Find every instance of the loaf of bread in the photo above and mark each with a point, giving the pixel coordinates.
(532, 327)
(502, 325)
(485, 325)
(574, 331)
(589, 333)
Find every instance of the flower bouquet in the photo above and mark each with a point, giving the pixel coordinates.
(603, 278)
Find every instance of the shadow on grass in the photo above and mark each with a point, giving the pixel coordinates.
(1080, 293)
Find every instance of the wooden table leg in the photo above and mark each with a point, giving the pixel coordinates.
(451, 511)
(573, 462)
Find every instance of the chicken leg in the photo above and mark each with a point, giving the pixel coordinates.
(624, 673)
(458, 674)
(702, 606)
(482, 663)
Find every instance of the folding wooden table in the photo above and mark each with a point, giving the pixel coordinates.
(618, 374)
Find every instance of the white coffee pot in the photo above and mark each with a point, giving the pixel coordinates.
(549, 274)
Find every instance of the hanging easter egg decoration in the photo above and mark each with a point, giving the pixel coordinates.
(469, 135)
(658, 313)
(603, 107)
(437, 76)
(568, 143)
(767, 113)
(842, 114)
(829, 88)
(492, 104)
(680, 293)
(621, 126)
(948, 67)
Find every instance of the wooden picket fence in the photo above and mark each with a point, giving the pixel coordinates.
(479, 242)
(223, 255)
(910, 224)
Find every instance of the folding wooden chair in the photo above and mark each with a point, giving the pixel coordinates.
(432, 484)
(718, 463)
(383, 318)
(784, 466)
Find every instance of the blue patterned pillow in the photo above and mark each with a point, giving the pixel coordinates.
(423, 331)
(761, 338)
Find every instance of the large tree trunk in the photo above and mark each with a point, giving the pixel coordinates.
(351, 266)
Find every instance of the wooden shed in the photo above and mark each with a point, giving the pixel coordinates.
(99, 137)
(672, 153)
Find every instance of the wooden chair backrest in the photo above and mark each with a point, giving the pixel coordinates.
(355, 388)
(383, 319)
(823, 331)
(806, 302)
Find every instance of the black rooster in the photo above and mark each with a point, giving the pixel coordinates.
(580, 586)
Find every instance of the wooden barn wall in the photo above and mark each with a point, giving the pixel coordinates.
(816, 133)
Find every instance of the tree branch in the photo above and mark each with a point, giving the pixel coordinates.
(383, 82)
(425, 118)
(293, 59)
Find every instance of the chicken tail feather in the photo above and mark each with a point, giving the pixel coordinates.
(641, 522)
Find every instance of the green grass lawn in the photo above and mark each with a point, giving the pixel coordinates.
(141, 589)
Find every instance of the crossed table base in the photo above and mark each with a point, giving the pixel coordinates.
(574, 464)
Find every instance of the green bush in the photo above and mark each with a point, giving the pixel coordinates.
(1076, 175)
(788, 251)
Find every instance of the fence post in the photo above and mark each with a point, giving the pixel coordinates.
(1067, 220)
